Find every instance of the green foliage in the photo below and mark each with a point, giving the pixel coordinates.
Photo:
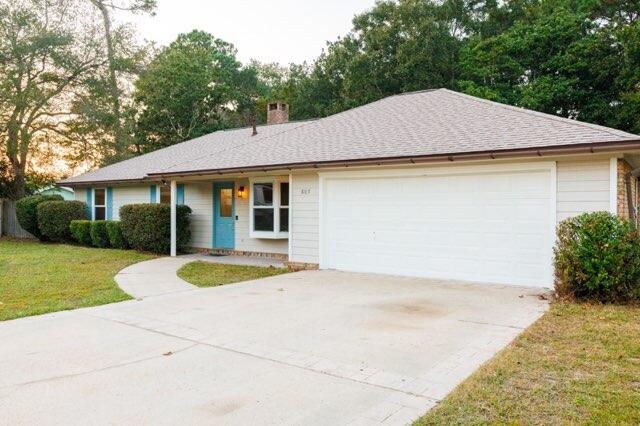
(597, 256)
(46, 50)
(116, 239)
(99, 235)
(147, 227)
(575, 59)
(81, 231)
(186, 90)
(27, 212)
(54, 218)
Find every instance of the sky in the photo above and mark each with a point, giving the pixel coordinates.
(283, 31)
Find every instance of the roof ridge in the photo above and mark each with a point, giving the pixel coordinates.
(522, 110)
(257, 126)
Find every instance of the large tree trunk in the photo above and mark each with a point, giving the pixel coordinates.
(19, 184)
(120, 144)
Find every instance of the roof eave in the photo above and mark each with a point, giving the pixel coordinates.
(599, 147)
(100, 182)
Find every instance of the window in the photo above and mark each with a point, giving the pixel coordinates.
(99, 204)
(165, 194)
(226, 202)
(263, 209)
(269, 209)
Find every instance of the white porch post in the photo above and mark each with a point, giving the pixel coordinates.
(174, 201)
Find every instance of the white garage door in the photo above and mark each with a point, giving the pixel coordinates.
(472, 224)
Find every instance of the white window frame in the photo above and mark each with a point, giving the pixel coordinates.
(276, 234)
(93, 209)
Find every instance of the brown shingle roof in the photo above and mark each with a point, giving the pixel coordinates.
(427, 123)
(137, 168)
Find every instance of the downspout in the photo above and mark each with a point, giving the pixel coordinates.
(633, 212)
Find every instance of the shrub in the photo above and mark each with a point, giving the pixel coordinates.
(116, 239)
(597, 256)
(147, 227)
(99, 236)
(54, 218)
(27, 212)
(81, 231)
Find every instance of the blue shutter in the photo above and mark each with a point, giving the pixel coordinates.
(89, 203)
(153, 194)
(180, 197)
(109, 203)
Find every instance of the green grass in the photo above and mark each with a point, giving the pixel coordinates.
(37, 278)
(206, 274)
(579, 364)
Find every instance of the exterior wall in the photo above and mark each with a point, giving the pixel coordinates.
(305, 222)
(128, 195)
(199, 196)
(243, 241)
(122, 195)
(624, 168)
(583, 186)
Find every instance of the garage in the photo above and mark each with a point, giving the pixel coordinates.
(491, 224)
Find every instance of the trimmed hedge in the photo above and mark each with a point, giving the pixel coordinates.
(147, 227)
(597, 257)
(116, 239)
(81, 231)
(54, 218)
(99, 236)
(27, 212)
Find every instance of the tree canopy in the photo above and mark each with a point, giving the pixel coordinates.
(186, 90)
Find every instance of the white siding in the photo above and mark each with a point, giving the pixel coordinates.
(80, 194)
(583, 186)
(123, 195)
(199, 196)
(305, 224)
(243, 241)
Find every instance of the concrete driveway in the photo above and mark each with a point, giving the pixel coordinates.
(314, 347)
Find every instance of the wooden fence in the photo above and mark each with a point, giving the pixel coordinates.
(9, 225)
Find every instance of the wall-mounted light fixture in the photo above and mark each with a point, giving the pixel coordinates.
(242, 192)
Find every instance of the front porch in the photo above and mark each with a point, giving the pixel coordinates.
(239, 215)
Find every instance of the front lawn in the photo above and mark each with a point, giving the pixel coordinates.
(579, 364)
(206, 274)
(37, 278)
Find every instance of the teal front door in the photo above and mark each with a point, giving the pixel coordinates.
(223, 215)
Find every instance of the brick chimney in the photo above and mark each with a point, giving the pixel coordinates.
(277, 113)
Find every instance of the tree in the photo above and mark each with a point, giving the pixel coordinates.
(186, 91)
(46, 47)
(393, 48)
(566, 58)
(114, 123)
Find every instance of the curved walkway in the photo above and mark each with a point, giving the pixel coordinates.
(158, 276)
(154, 277)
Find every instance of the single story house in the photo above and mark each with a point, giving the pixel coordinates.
(432, 184)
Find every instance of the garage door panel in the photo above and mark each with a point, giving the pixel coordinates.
(493, 227)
